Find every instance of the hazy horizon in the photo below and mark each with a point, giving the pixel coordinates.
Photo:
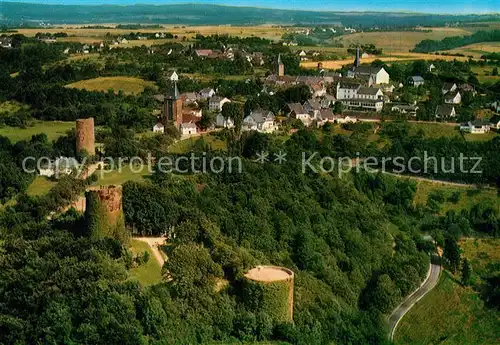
(429, 6)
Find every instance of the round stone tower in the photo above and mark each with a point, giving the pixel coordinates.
(270, 289)
(85, 139)
(104, 213)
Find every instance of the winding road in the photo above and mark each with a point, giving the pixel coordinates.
(429, 283)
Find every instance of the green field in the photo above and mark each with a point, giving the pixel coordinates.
(452, 314)
(120, 176)
(40, 186)
(128, 85)
(480, 137)
(481, 252)
(434, 130)
(53, 129)
(11, 107)
(484, 74)
(183, 146)
(148, 273)
(468, 196)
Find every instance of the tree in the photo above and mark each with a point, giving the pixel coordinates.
(338, 108)
(466, 272)
(234, 111)
(452, 253)
(494, 72)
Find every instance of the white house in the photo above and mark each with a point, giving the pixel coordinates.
(159, 128)
(431, 68)
(60, 166)
(475, 127)
(453, 97)
(259, 120)
(298, 112)
(207, 93)
(445, 111)
(216, 103)
(221, 121)
(448, 87)
(408, 109)
(188, 129)
(416, 81)
(303, 55)
(378, 74)
(355, 96)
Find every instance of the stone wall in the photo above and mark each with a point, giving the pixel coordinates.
(85, 138)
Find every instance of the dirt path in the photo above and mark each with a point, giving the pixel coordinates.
(154, 243)
(429, 283)
(424, 179)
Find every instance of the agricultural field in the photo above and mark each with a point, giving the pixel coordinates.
(467, 196)
(148, 273)
(11, 107)
(53, 130)
(128, 85)
(476, 49)
(484, 73)
(452, 314)
(399, 41)
(397, 56)
(480, 137)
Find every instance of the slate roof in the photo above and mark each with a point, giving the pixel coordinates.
(372, 91)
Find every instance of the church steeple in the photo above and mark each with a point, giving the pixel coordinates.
(172, 106)
(280, 67)
(357, 59)
(172, 91)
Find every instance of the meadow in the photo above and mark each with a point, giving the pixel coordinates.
(40, 186)
(468, 196)
(148, 273)
(484, 73)
(120, 176)
(53, 130)
(452, 314)
(476, 49)
(128, 85)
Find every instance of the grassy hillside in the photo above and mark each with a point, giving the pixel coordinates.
(148, 273)
(53, 129)
(128, 85)
(452, 314)
(467, 196)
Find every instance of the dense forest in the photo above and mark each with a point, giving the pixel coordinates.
(447, 43)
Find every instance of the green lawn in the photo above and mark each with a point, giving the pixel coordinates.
(40, 186)
(484, 73)
(148, 273)
(434, 130)
(449, 315)
(481, 253)
(118, 177)
(53, 129)
(468, 196)
(183, 146)
(480, 137)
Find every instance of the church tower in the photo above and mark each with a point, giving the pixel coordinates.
(357, 59)
(172, 106)
(280, 67)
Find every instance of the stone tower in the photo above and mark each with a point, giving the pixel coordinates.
(172, 106)
(85, 139)
(357, 60)
(271, 288)
(104, 213)
(280, 67)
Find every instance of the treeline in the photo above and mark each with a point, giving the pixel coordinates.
(427, 46)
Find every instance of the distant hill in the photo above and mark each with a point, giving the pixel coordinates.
(12, 13)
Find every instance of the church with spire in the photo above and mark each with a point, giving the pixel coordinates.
(372, 75)
(172, 106)
(280, 67)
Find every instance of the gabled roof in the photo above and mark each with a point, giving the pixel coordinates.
(417, 79)
(217, 99)
(372, 91)
(349, 85)
(207, 90)
(261, 116)
(297, 108)
(326, 114)
(366, 69)
(451, 95)
(444, 110)
(448, 86)
(313, 103)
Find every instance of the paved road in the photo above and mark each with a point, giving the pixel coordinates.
(398, 313)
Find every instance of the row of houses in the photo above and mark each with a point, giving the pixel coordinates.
(255, 58)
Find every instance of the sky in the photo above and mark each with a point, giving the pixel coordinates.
(429, 6)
